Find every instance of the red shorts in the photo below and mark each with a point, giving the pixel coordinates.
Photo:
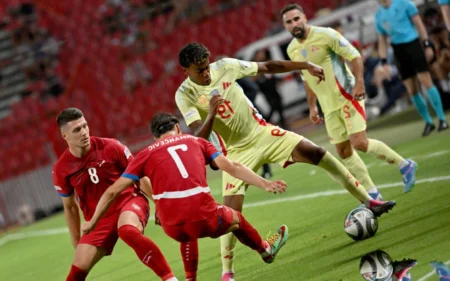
(215, 226)
(105, 233)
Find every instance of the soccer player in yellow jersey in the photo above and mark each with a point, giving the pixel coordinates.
(210, 99)
(341, 97)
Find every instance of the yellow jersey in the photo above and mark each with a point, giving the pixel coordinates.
(236, 119)
(328, 48)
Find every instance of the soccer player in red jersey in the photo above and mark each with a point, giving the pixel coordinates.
(88, 167)
(175, 164)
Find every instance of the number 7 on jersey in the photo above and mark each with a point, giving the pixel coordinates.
(172, 151)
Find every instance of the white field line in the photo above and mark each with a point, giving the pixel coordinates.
(422, 156)
(20, 236)
(54, 231)
(431, 273)
(336, 192)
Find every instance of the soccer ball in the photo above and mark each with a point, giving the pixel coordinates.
(376, 266)
(360, 224)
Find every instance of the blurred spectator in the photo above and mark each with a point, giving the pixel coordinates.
(135, 71)
(276, 25)
(191, 10)
(3, 223)
(36, 51)
(127, 24)
(338, 27)
(223, 5)
(268, 84)
(378, 79)
(25, 214)
(438, 35)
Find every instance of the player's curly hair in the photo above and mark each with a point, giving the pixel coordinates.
(291, 7)
(193, 53)
(68, 115)
(162, 123)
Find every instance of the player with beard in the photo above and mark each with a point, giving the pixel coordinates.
(341, 97)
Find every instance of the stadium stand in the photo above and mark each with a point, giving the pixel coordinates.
(101, 49)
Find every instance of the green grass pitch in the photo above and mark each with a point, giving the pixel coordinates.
(318, 248)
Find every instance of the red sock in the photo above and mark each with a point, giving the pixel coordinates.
(189, 252)
(248, 236)
(147, 251)
(76, 274)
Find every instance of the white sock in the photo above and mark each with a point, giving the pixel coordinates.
(172, 279)
(374, 190)
(268, 249)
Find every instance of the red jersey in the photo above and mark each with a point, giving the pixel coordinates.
(92, 174)
(176, 168)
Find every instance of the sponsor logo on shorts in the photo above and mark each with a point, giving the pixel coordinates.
(229, 186)
(135, 206)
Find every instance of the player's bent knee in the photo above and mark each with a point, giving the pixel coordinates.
(308, 152)
(128, 233)
(361, 145)
(130, 218)
(235, 202)
(344, 150)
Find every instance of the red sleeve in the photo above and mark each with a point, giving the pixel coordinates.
(122, 152)
(209, 150)
(60, 183)
(135, 169)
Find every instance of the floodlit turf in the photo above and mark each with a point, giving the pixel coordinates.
(317, 249)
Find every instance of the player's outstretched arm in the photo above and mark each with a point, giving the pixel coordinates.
(105, 202)
(243, 173)
(282, 66)
(72, 214)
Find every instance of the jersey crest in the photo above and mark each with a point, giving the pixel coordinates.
(203, 100)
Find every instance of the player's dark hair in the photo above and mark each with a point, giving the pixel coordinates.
(291, 7)
(67, 115)
(163, 123)
(193, 53)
